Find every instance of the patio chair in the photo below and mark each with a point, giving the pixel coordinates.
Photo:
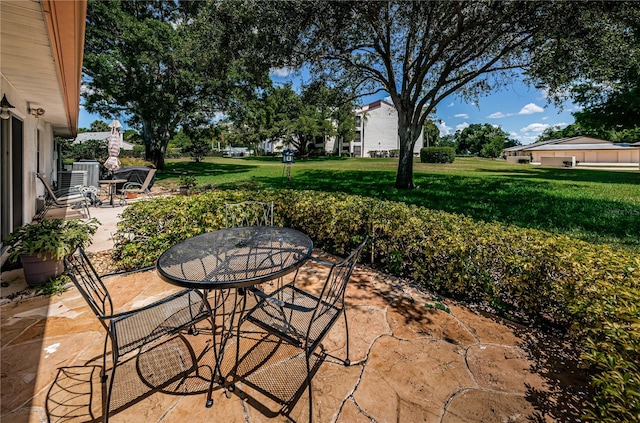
(139, 328)
(64, 198)
(301, 318)
(138, 188)
(249, 213)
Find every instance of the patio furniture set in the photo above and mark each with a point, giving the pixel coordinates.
(225, 275)
(81, 197)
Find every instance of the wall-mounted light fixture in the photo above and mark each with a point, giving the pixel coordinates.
(37, 112)
(5, 106)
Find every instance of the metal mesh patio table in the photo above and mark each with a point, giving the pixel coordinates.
(230, 260)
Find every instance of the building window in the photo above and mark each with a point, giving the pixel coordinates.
(358, 137)
(357, 152)
(358, 121)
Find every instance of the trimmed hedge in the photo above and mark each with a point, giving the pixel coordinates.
(593, 290)
(437, 155)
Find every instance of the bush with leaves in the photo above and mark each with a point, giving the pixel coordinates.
(593, 291)
(437, 155)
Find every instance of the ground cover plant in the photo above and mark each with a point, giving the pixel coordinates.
(592, 205)
(590, 291)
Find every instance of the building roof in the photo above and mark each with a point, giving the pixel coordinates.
(372, 106)
(570, 143)
(41, 51)
(561, 147)
(100, 136)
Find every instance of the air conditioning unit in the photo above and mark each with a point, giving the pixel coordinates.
(93, 171)
(68, 179)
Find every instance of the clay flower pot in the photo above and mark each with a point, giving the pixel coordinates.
(39, 270)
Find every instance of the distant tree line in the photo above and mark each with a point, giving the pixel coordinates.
(483, 140)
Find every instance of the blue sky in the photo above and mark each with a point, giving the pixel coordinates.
(519, 110)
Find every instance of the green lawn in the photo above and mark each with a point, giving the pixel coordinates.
(594, 205)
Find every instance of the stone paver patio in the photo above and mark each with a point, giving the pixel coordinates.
(410, 363)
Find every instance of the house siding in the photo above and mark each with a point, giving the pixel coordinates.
(586, 150)
(379, 130)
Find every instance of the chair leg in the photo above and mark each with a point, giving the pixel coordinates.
(86, 209)
(105, 410)
(107, 405)
(103, 376)
(347, 362)
(308, 356)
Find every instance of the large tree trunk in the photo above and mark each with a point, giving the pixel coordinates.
(408, 137)
(154, 151)
(157, 158)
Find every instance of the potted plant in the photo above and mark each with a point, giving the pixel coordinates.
(43, 246)
(186, 182)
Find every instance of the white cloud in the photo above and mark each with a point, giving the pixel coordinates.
(560, 125)
(450, 104)
(527, 139)
(444, 129)
(545, 118)
(534, 127)
(280, 72)
(498, 115)
(514, 134)
(461, 126)
(462, 115)
(530, 109)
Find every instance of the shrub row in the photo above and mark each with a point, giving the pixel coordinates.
(593, 290)
(437, 155)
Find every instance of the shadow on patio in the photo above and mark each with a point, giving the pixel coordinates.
(410, 362)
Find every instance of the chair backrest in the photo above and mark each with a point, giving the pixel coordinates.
(50, 191)
(147, 180)
(86, 279)
(332, 295)
(249, 213)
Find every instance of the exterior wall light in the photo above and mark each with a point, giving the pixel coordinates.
(37, 112)
(5, 106)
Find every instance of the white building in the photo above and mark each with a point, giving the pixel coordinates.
(41, 52)
(377, 131)
(376, 135)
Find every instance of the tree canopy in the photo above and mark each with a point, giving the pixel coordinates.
(164, 65)
(300, 120)
(483, 140)
(419, 53)
(595, 62)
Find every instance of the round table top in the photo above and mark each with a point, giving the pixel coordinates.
(234, 257)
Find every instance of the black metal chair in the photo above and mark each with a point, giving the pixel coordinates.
(249, 213)
(135, 329)
(301, 318)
